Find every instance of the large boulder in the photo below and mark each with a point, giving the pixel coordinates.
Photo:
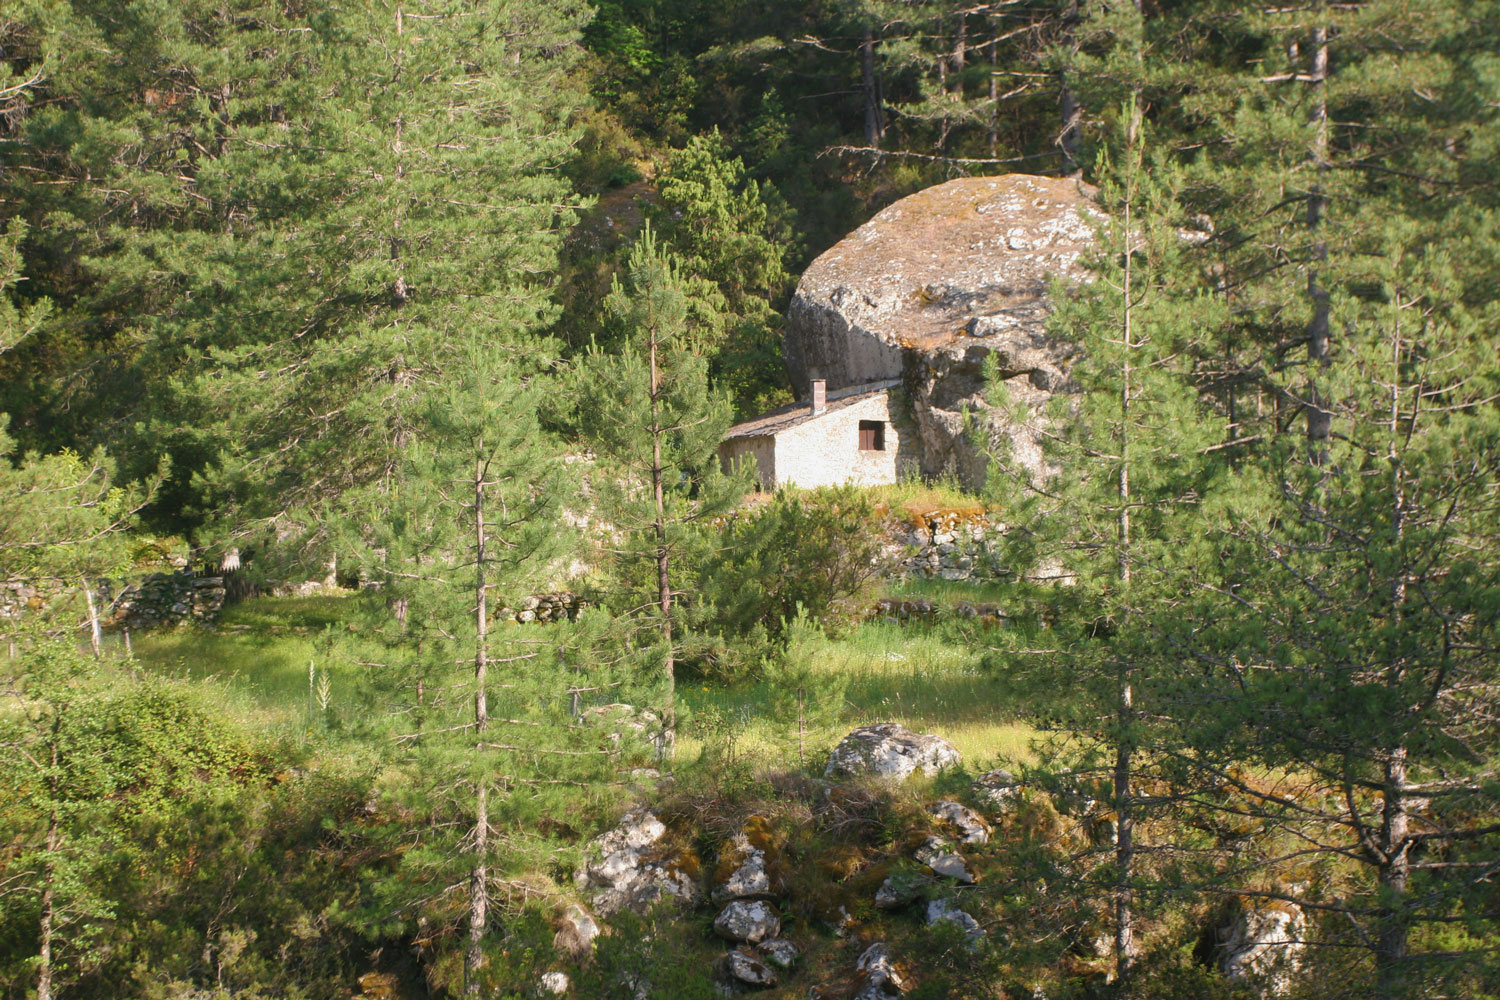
(932, 290)
(886, 750)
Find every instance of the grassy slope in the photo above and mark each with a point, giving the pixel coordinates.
(912, 675)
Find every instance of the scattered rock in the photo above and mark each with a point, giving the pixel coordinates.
(879, 979)
(748, 863)
(779, 952)
(898, 890)
(938, 855)
(941, 911)
(996, 789)
(554, 983)
(621, 720)
(576, 932)
(748, 920)
(746, 967)
(886, 750)
(971, 828)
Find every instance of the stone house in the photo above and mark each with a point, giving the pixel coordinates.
(839, 437)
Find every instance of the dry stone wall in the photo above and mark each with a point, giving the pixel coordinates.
(159, 600)
(947, 545)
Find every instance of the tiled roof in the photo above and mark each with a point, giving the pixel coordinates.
(792, 414)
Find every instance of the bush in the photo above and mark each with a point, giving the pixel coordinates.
(803, 554)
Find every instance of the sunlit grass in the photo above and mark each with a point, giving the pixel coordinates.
(257, 658)
(909, 675)
(255, 668)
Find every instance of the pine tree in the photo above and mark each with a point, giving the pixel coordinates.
(656, 426)
(1117, 519)
(481, 715)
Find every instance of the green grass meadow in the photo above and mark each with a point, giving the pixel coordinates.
(255, 666)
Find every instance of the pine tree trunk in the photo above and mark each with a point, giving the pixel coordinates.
(663, 555)
(95, 638)
(994, 85)
(960, 52)
(1395, 868)
(49, 879)
(1124, 747)
(870, 84)
(44, 954)
(479, 875)
(1319, 417)
(1071, 110)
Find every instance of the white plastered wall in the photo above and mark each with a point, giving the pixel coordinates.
(824, 451)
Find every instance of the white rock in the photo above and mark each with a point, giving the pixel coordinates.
(943, 911)
(971, 829)
(750, 879)
(879, 979)
(886, 750)
(896, 891)
(637, 829)
(1262, 943)
(748, 920)
(576, 931)
(779, 952)
(938, 855)
(996, 789)
(626, 876)
(554, 983)
(749, 969)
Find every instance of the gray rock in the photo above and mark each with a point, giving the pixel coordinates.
(932, 289)
(941, 911)
(779, 952)
(898, 890)
(996, 789)
(576, 932)
(750, 879)
(747, 968)
(554, 983)
(748, 920)
(971, 828)
(887, 750)
(879, 979)
(1261, 942)
(938, 855)
(627, 874)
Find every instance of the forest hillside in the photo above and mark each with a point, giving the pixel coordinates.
(381, 621)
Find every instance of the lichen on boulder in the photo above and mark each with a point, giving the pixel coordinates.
(886, 750)
(940, 288)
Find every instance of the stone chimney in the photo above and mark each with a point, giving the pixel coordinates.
(819, 396)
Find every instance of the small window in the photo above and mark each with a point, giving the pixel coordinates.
(872, 435)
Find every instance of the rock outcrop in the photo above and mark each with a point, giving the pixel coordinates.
(635, 870)
(886, 750)
(932, 290)
(1259, 941)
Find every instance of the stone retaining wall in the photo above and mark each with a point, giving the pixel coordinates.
(947, 545)
(154, 601)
